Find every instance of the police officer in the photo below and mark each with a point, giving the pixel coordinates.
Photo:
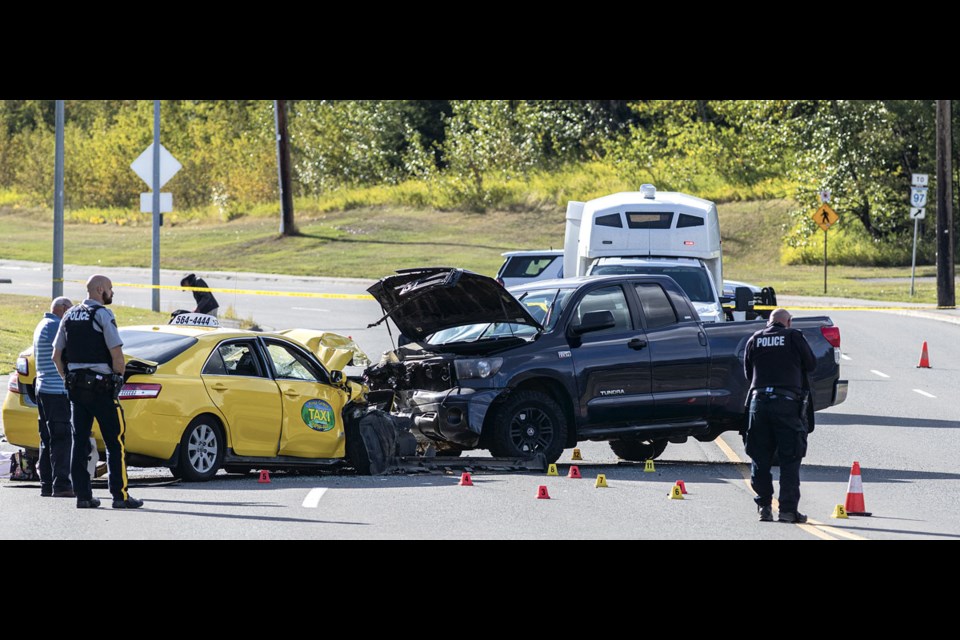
(776, 362)
(206, 303)
(87, 352)
(53, 407)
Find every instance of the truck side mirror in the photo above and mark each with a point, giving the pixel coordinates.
(593, 321)
(743, 296)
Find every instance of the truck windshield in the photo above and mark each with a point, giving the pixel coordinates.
(545, 305)
(692, 280)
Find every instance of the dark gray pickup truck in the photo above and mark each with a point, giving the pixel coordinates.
(549, 364)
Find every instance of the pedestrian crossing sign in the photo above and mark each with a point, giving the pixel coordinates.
(825, 216)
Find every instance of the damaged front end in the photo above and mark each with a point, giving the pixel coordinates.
(425, 389)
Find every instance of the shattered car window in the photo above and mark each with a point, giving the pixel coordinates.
(544, 305)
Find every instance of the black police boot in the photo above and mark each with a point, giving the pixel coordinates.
(765, 512)
(46, 490)
(129, 503)
(92, 503)
(792, 516)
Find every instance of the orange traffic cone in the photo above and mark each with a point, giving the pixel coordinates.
(542, 493)
(574, 472)
(854, 505)
(924, 358)
(264, 477)
(683, 487)
(465, 480)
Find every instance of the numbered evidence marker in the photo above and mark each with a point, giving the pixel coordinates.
(918, 197)
(675, 493)
(917, 214)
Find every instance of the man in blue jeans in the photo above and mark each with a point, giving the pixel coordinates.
(53, 407)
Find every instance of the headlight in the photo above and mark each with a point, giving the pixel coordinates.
(478, 368)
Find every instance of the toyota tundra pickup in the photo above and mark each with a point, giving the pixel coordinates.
(543, 366)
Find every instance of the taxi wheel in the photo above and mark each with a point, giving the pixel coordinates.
(201, 450)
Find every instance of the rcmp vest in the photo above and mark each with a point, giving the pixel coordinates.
(84, 343)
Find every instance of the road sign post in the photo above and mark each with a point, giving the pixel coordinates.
(825, 217)
(917, 214)
(156, 166)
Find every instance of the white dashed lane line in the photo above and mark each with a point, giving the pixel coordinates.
(879, 373)
(924, 393)
(313, 498)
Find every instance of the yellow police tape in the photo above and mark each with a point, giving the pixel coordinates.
(251, 292)
(363, 296)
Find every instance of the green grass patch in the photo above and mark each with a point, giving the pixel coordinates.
(22, 313)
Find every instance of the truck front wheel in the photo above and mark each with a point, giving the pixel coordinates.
(638, 450)
(527, 423)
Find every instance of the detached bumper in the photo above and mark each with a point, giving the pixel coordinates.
(454, 416)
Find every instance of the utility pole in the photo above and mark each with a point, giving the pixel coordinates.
(58, 205)
(287, 226)
(945, 271)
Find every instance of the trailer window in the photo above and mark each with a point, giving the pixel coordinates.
(656, 306)
(612, 220)
(689, 221)
(649, 220)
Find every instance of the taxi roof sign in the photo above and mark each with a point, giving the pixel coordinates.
(825, 216)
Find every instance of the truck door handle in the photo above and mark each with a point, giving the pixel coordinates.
(702, 338)
(637, 343)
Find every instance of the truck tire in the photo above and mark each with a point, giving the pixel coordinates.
(638, 450)
(527, 423)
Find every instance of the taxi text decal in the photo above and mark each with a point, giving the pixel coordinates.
(318, 415)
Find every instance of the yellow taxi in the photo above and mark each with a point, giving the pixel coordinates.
(197, 399)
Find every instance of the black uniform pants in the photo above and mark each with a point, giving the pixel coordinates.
(88, 405)
(775, 425)
(53, 419)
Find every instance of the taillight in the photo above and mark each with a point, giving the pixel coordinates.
(135, 390)
(23, 366)
(13, 385)
(832, 334)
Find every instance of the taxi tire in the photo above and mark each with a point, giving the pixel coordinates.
(184, 469)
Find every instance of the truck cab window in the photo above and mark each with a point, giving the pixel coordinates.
(656, 306)
(606, 299)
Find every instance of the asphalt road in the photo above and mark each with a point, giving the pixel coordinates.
(899, 422)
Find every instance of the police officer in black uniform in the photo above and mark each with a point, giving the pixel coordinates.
(777, 362)
(87, 352)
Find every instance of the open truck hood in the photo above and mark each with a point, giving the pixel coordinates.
(426, 300)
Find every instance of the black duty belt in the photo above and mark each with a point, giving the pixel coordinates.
(777, 392)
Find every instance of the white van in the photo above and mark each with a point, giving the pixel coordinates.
(521, 267)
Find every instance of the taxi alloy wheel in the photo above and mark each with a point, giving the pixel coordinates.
(201, 450)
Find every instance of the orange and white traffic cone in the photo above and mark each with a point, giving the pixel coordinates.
(924, 358)
(854, 505)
